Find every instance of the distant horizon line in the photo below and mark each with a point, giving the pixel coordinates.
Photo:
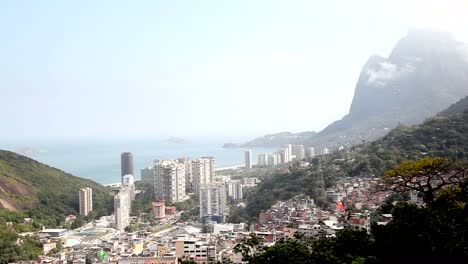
(229, 138)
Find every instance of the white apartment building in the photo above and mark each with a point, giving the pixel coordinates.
(122, 210)
(325, 151)
(203, 172)
(129, 186)
(262, 159)
(188, 173)
(169, 181)
(212, 199)
(249, 182)
(311, 152)
(248, 159)
(272, 159)
(86, 201)
(194, 248)
(299, 152)
(290, 152)
(234, 189)
(283, 153)
(212, 166)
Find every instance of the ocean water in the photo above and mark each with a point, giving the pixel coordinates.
(100, 160)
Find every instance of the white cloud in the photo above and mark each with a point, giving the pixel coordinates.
(387, 71)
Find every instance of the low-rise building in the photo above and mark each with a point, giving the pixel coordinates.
(249, 182)
(171, 210)
(149, 260)
(159, 210)
(55, 232)
(192, 248)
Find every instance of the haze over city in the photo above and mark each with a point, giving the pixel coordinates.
(195, 132)
(210, 68)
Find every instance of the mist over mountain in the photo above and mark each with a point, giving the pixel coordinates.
(444, 135)
(458, 108)
(426, 72)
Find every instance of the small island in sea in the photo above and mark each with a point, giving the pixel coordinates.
(176, 140)
(231, 145)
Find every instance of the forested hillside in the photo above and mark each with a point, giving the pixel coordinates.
(440, 136)
(45, 193)
(30, 189)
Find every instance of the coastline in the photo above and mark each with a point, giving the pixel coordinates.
(100, 161)
(229, 168)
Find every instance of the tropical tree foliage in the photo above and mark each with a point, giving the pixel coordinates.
(426, 176)
(441, 136)
(436, 233)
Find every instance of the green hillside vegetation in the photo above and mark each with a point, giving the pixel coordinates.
(29, 189)
(29, 247)
(440, 136)
(44, 193)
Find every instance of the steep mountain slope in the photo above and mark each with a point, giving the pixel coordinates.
(440, 136)
(26, 184)
(280, 139)
(426, 72)
(457, 108)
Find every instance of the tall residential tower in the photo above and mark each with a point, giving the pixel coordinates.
(86, 201)
(202, 172)
(126, 164)
(248, 159)
(122, 210)
(169, 181)
(213, 201)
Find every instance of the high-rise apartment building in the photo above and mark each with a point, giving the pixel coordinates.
(262, 159)
(284, 155)
(211, 164)
(122, 210)
(202, 172)
(290, 153)
(212, 200)
(248, 159)
(298, 152)
(188, 173)
(311, 152)
(126, 164)
(147, 175)
(129, 186)
(169, 181)
(325, 151)
(86, 201)
(273, 159)
(234, 189)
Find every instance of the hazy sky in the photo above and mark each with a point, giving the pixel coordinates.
(193, 68)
